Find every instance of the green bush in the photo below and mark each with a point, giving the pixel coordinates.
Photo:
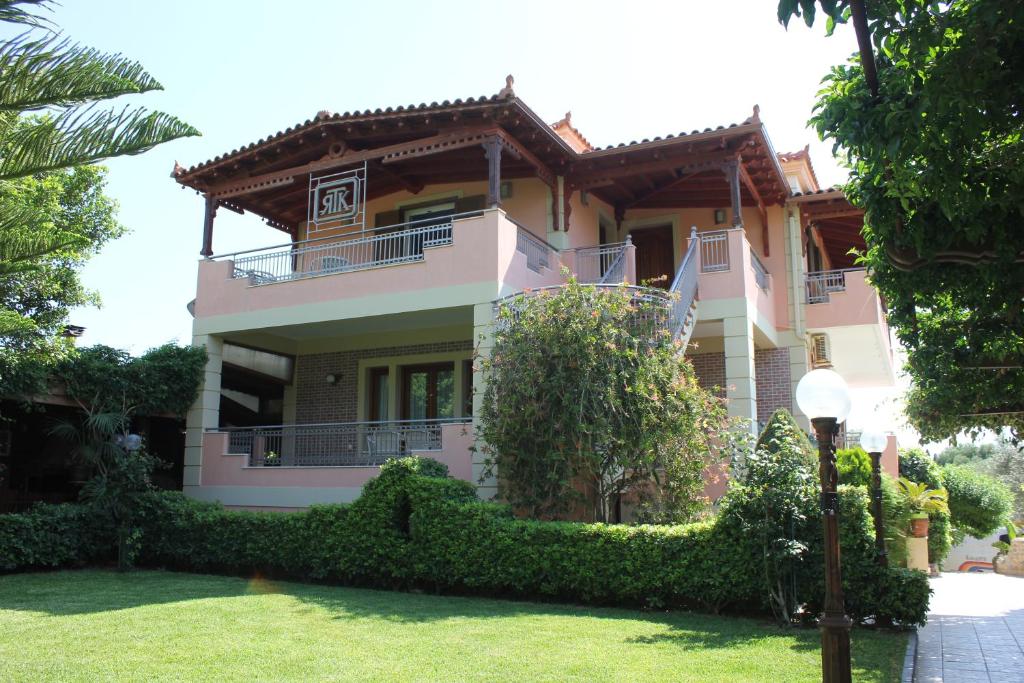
(50, 536)
(917, 465)
(978, 504)
(412, 531)
(896, 517)
(854, 465)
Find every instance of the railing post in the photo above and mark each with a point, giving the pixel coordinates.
(629, 273)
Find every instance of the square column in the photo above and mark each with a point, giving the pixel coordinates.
(205, 412)
(740, 380)
(799, 365)
(483, 337)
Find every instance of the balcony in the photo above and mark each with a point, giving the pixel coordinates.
(844, 305)
(336, 454)
(730, 269)
(462, 261)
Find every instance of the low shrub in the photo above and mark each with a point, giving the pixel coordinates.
(51, 536)
(854, 465)
(408, 530)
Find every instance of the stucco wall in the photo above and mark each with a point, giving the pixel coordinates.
(317, 401)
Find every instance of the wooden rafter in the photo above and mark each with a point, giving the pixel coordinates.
(682, 163)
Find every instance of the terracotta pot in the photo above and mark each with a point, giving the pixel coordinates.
(919, 527)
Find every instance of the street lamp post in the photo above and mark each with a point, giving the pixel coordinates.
(823, 396)
(874, 443)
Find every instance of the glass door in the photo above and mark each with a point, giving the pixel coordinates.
(428, 391)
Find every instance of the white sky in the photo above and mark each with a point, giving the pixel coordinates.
(239, 71)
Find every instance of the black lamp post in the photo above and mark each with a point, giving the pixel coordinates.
(823, 396)
(874, 443)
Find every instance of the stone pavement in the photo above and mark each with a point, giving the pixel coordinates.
(975, 630)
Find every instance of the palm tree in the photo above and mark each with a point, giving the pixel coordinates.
(43, 72)
(51, 118)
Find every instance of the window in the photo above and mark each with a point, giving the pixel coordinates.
(467, 388)
(421, 219)
(378, 394)
(428, 391)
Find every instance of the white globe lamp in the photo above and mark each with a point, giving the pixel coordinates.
(873, 441)
(823, 393)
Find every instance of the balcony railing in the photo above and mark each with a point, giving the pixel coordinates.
(383, 246)
(820, 284)
(602, 264)
(684, 288)
(714, 251)
(539, 254)
(353, 444)
(760, 272)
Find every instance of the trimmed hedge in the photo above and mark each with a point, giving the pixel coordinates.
(407, 531)
(50, 536)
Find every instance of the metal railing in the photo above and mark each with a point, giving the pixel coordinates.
(602, 264)
(714, 251)
(334, 444)
(653, 307)
(684, 286)
(539, 254)
(821, 283)
(760, 272)
(374, 248)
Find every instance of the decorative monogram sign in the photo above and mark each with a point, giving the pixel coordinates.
(337, 200)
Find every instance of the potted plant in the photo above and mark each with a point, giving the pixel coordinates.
(922, 501)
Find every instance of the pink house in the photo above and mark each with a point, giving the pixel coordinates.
(350, 341)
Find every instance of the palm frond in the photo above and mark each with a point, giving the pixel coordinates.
(83, 135)
(11, 13)
(53, 71)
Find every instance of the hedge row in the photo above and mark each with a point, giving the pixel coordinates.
(407, 530)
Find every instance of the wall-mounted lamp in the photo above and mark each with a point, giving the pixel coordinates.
(331, 378)
(719, 216)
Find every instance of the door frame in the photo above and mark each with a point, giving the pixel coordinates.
(431, 369)
(673, 219)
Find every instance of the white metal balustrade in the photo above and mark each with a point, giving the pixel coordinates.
(374, 248)
(820, 284)
(602, 264)
(760, 271)
(539, 254)
(714, 251)
(684, 292)
(334, 444)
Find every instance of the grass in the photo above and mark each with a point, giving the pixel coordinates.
(88, 625)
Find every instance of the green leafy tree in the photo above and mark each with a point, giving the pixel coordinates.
(929, 117)
(587, 400)
(1007, 465)
(51, 120)
(966, 454)
(68, 207)
(978, 504)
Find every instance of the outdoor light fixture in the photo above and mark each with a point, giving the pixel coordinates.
(331, 378)
(824, 397)
(719, 216)
(874, 443)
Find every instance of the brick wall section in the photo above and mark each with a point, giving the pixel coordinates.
(317, 401)
(710, 370)
(771, 370)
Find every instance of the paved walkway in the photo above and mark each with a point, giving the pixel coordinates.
(975, 631)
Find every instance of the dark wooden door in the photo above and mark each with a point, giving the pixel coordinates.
(654, 258)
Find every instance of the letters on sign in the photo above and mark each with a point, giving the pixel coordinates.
(337, 200)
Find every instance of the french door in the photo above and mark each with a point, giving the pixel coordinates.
(428, 391)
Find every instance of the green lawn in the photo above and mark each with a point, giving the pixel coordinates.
(88, 625)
